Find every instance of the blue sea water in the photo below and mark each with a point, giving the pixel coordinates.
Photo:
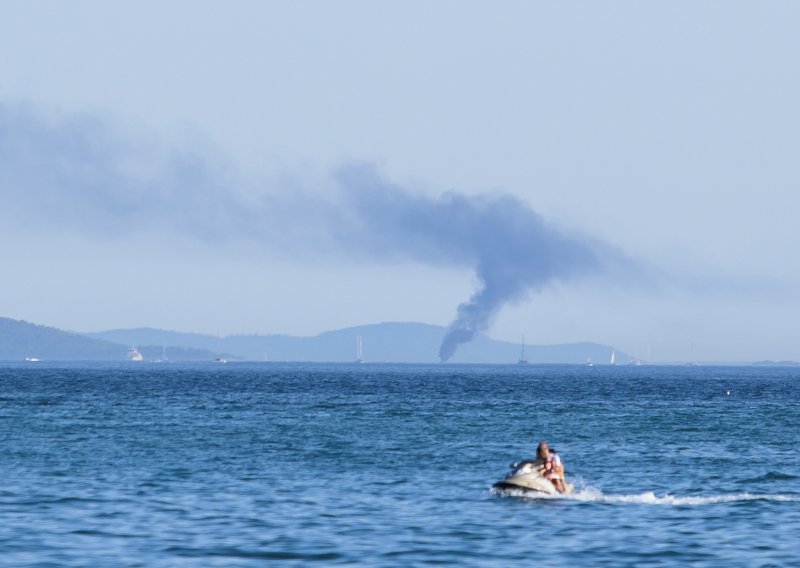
(246, 464)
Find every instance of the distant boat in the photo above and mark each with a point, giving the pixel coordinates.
(220, 360)
(163, 358)
(613, 357)
(32, 359)
(691, 362)
(589, 362)
(522, 359)
(135, 355)
(359, 350)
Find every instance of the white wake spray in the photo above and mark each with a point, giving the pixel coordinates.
(592, 495)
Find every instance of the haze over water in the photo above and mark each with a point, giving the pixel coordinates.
(212, 465)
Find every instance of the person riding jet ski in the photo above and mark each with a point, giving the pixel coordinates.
(544, 474)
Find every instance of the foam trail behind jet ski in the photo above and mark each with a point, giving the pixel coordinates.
(592, 495)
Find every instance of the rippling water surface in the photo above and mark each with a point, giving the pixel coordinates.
(238, 464)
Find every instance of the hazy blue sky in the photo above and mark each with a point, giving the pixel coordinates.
(293, 167)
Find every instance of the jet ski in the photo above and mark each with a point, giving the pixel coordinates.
(524, 476)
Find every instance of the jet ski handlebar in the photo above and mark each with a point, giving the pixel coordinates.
(519, 464)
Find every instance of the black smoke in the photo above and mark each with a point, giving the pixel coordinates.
(77, 174)
(512, 249)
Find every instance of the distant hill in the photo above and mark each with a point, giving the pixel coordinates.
(20, 339)
(146, 336)
(384, 342)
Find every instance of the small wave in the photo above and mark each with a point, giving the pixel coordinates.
(771, 476)
(47, 501)
(253, 554)
(104, 534)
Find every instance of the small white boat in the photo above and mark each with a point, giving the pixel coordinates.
(135, 355)
(32, 359)
(589, 362)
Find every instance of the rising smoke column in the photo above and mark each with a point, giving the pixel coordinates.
(512, 249)
(77, 175)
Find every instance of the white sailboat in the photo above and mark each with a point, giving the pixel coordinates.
(613, 357)
(359, 350)
(589, 362)
(522, 359)
(691, 362)
(163, 358)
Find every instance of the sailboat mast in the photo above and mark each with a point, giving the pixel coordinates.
(522, 360)
(359, 349)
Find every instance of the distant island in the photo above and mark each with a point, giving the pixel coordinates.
(21, 340)
(384, 343)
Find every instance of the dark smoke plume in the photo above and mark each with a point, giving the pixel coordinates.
(512, 249)
(78, 175)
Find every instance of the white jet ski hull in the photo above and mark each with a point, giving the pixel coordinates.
(527, 478)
